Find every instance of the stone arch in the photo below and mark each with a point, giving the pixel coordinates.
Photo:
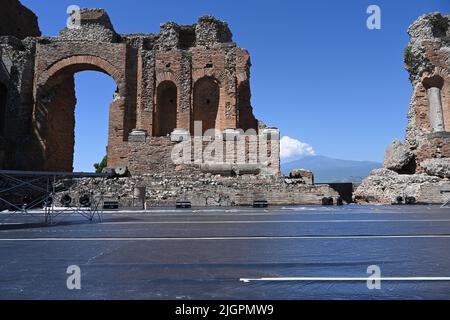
(54, 112)
(165, 112)
(433, 81)
(79, 63)
(167, 76)
(206, 98)
(220, 77)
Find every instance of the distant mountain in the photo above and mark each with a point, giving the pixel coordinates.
(327, 169)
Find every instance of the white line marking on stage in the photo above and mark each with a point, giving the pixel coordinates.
(227, 238)
(276, 221)
(259, 222)
(332, 279)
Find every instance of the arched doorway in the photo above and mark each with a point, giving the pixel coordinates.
(54, 112)
(91, 118)
(206, 102)
(165, 115)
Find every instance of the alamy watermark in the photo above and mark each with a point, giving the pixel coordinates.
(74, 19)
(374, 20)
(74, 280)
(231, 146)
(374, 279)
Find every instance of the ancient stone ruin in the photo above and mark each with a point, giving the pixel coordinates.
(164, 82)
(419, 169)
(180, 124)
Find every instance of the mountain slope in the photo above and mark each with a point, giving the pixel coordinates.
(327, 169)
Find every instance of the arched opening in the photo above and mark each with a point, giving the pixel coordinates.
(91, 118)
(246, 117)
(165, 116)
(3, 97)
(59, 119)
(206, 102)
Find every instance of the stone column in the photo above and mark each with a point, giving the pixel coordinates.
(435, 105)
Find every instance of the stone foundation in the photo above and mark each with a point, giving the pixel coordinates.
(205, 190)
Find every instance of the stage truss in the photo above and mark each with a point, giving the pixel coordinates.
(36, 194)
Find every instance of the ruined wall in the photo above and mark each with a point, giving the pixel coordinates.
(422, 163)
(428, 62)
(55, 62)
(243, 155)
(16, 61)
(17, 20)
(165, 81)
(205, 66)
(205, 189)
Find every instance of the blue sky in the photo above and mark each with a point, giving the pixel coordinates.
(318, 73)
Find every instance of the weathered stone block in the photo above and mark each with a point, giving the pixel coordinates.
(305, 175)
(437, 167)
(398, 157)
(246, 168)
(384, 186)
(179, 135)
(137, 135)
(222, 168)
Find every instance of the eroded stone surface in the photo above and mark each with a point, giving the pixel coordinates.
(165, 81)
(397, 157)
(306, 176)
(384, 186)
(437, 167)
(205, 189)
(427, 141)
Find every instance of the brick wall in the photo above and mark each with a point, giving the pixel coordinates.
(157, 155)
(164, 82)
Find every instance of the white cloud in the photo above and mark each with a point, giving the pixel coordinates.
(293, 148)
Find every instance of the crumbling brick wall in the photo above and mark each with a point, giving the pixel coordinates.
(164, 81)
(420, 167)
(428, 63)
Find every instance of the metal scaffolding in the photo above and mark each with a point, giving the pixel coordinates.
(22, 192)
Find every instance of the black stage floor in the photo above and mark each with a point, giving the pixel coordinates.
(207, 253)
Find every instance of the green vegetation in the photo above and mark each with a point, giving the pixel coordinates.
(408, 55)
(102, 165)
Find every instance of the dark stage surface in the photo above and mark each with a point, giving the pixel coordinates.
(205, 253)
